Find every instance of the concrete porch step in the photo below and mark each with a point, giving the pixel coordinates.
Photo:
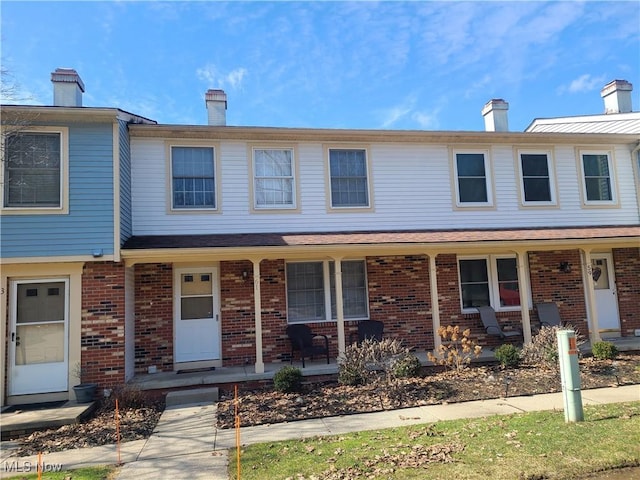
(197, 395)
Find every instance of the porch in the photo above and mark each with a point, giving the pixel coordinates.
(246, 374)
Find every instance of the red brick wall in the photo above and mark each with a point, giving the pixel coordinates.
(549, 284)
(153, 317)
(399, 295)
(103, 323)
(627, 271)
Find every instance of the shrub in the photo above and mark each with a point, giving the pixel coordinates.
(370, 360)
(508, 355)
(604, 350)
(543, 349)
(456, 349)
(288, 379)
(407, 367)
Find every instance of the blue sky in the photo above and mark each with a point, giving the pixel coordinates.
(391, 65)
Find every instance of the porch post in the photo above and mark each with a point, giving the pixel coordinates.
(590, 296)
(257, 301)
(435, 304)
(523, 285)
(339, 305)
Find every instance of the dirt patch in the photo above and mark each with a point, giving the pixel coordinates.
(266, 406)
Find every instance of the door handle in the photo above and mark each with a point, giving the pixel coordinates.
(217, 317)
(13, 336)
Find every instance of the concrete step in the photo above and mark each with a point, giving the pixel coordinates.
(187, 397)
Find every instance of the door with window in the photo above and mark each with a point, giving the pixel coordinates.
(602, 274)
(38, 349)
(197, 315)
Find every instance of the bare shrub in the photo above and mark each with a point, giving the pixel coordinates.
(543, 349)
(456, 349)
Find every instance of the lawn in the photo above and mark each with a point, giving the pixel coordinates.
(89, 473)
(525, 446)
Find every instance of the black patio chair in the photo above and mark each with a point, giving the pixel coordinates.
(548, 314)
(302, 340)
(491, 325)
(373, 329)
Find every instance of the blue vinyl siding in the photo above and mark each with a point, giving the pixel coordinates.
(89, 223)
(126, 226)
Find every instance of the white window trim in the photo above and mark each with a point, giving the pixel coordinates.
(492, 271)
(488, 172)
(216, 173)
(551, 171)
(63, 209)
(612, 178)
(348, 208)
(255, 208)
(326, 283)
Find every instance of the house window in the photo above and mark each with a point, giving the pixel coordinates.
(489, 280)
(348, 178)
(34, 170)
(311, 294)
(472, 179)
(536, 180)
(598, 184)
(193, 178)
(274, 185)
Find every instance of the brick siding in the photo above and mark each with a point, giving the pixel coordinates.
(627, 270)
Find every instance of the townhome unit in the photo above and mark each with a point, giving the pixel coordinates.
(199, 244)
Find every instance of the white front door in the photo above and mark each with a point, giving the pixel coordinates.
(602, 274)
(38, 345)
(197, 315)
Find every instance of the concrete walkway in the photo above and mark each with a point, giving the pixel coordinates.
(186, 443)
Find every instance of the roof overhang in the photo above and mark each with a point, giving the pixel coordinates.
(38, 113)
(217, 247)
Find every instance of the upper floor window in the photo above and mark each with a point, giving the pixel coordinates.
(349, 181)
(597, 176)
(473, 185)
(489, 280)
(193, 182)
(274, 178)
(34, 174)
(311, 293)
(536, 179)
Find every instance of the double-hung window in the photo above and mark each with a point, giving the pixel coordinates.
(348, 174)
(35, 172)
(597, 178)
(472, 179)
(311, 293)
(489, 280)
(536, 178)
(193, 180)
(274, 178)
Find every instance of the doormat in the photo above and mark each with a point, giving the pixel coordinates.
(196, 370)
(30, 407)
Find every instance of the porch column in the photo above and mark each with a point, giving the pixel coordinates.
(523, 285)
(339, 306)
(435, 304)
(590, 296)
(257, 302)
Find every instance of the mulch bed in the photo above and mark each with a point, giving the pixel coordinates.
(477, 382)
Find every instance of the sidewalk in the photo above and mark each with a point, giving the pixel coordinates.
(186, 443)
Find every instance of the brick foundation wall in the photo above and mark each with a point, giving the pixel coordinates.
(103, 323)
(549, 284)
(154, 317)
(399, 296)
(627, 272)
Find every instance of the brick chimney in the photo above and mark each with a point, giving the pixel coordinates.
(495, 116)
(617, 96)
(216, 101)
(67, 88)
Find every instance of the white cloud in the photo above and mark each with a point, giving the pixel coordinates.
(426, 120)
(214, 78)
(584, 83)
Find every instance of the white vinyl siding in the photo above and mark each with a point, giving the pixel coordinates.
(412, 185)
